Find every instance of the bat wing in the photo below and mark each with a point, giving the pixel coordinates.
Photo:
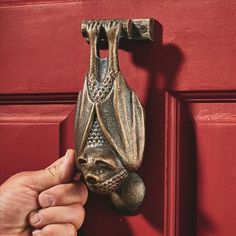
(121, 118)
(83, 120)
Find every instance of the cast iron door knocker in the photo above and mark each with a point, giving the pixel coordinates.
(110, 130)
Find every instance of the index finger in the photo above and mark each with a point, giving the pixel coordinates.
(64, 194)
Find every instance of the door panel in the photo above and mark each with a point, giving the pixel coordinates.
(185, 81)
(215, 145)
(41, 44)
(33, 136)
(202, 179)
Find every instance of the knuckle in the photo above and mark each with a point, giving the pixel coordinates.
(59, 229)
(71, 230)
(52, 171)
(46, 199)
(82, 212)
(79, 216)
(21, 177)
(55, 172)
(48, 231)
(58, 194)
(23, 174)
(83, 191)
(43, 218)
(37, 219)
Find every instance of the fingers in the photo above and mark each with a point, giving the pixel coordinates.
(61, 171)
(73, 214)
(64, 194)
(56, 229)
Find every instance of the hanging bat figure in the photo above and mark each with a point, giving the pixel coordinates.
(110, 132)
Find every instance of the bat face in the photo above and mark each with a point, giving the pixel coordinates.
(102, 169)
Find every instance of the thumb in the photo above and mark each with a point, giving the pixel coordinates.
(61, 171)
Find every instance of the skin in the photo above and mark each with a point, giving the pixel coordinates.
(44, 202)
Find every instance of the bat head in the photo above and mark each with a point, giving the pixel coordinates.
(102, 169)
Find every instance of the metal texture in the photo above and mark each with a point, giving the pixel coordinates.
(110, 132)
(134, 29)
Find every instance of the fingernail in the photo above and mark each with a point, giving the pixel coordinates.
(35, 218)
(36, 232)
(46, 200)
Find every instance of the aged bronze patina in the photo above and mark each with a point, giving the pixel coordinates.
(110, 132)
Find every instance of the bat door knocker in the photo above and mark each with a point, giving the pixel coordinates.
(110, 130)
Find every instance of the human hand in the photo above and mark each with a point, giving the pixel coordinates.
(44, 202)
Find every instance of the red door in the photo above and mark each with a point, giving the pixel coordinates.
(185, 80)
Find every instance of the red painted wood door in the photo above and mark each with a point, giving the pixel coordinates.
(185, 80)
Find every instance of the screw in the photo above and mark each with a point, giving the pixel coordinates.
(143, 29)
